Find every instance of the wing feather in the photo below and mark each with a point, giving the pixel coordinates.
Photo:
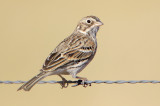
(72, 50)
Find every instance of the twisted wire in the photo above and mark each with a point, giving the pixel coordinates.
(87, 82)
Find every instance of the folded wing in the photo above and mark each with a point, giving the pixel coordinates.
(69, 52)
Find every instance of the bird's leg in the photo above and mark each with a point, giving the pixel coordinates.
(83, 81)
(64, 81)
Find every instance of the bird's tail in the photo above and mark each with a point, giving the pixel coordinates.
(29, 84)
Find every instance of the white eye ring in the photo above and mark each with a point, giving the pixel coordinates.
(88, 21)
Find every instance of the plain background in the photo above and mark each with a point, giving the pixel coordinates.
(128, 49)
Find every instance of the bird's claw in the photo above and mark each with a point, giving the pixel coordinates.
(64, 84)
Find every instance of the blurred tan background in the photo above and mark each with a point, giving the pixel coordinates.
(128, 49)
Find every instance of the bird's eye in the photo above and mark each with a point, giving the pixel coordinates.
(88, 21)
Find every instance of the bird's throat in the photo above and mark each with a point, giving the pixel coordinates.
(90, 31)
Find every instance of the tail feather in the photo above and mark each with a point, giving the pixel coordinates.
(29, 84)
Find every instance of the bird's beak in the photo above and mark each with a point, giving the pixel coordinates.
(99, 23)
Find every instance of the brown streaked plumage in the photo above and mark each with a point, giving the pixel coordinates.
(72, 55)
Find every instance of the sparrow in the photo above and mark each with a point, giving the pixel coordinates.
(72, 55)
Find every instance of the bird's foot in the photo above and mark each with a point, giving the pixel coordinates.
(84, 83)
(64, 83)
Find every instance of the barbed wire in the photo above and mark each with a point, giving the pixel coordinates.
(79, 82)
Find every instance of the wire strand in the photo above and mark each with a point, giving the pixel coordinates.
(80, 82)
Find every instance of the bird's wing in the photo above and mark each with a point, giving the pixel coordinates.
(72, 50)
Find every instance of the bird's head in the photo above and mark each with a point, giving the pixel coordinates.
(89, 23)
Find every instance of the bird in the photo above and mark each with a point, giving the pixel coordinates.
(72, 55)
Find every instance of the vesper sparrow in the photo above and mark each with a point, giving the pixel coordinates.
(72, 55)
